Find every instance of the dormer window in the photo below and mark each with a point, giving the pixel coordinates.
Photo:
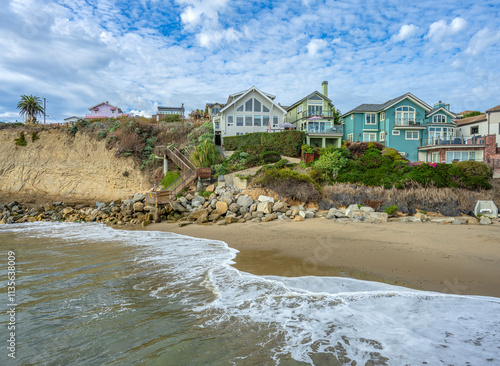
(439, 118)
(370, 118)
(405, 116)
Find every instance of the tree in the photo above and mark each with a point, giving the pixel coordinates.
(471, 114)
(336, 115)
(30, 107)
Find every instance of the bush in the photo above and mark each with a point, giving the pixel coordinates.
(285, 143)
(392, 153)
(34, 136)
(331, 161)
(170, 178)
(474, 168)
(390, 210)
(269, 157)
(21, 140)
(358, 149)
(102, 135)
(205, 155)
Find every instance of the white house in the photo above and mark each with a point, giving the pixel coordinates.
(248, 111)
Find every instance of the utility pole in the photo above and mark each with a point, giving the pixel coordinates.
(44, 108)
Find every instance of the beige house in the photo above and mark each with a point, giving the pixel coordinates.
(248, 111)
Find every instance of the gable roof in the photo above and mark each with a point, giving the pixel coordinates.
(382, 107)
(442, 109)
(238, 96)
(106, 103)
(474, 119)
(494, 109)
(210, 105)
(307, 97)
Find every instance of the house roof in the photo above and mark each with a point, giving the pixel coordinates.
(307, 97)
(106, 103)
(381, 107)
(442, 109)
(210, 105)
(469, 120)
(240, 95)
(494, 109)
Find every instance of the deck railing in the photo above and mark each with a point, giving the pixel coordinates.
(461, 140)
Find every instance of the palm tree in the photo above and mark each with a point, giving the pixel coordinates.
(29, 107)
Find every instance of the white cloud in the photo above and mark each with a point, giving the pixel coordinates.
(315, 45)
(406, 31)
(440, 30)
(482, 40)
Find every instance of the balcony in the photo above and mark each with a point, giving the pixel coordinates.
(409, 123)
(326, 130)
(456, 141)
(308, 114)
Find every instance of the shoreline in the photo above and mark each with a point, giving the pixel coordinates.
(462, 260)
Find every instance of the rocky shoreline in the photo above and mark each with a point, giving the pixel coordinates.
(225, 205)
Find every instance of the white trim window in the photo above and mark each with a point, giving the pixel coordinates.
(264, 108)
(382, 116)
(382, 136)
(275, 121)
(265, 120)
(239, 121)
(299, 109)
(350, 137)
(405, 116)
(369, 137)
(412, 135)
(396, 132)
(439, 118)
(460, 156)
(230, 121)
(370, 118)
(257, 121)
(240, 108)
(248, 121)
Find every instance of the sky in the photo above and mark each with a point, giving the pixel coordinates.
(144, 53)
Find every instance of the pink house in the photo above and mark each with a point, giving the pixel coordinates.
(104, 110)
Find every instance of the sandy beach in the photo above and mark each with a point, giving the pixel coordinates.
(444, 258)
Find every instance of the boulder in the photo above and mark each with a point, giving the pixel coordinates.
(265, 207)
(473, 221)
(309, 214)
(221, 207)
(269, 217)
(280, 207)
(234, 207)
(177, 206)
(189, 196)
(213, 217)
(203, 218)
(138, 197)
(248, 216)
(138, 207)
(485, 220)
(266, 199)
(98, 205)
(210, 188)
(198, 201)
(298, 218)
(258, 214)
(302, 214)
(331, 214)
(244, 201)
(195, 215)
(230, 220)
(378, 217)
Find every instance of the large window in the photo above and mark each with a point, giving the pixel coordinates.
(436, 134)
(257, 121)
(318, 127)
(405, 116)
(474, 130)
(439, 118)
(370, 118)
(239, 121)
(275, 121)
(240, 108)
(265, 120)
(256, 105)
(264, 108)
(460, 156)
(230, 121)
(412, 135)
(369, 137)
(248, 121)
(248, 105)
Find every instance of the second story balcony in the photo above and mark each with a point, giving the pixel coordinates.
(322, 114)
(410, 123)
(325, 129)
(456, 141)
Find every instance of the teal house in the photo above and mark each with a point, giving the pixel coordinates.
(313, 115)
(404, 123)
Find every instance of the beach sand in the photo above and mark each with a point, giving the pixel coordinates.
(458, 259)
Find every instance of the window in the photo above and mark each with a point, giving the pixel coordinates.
(230, 121)
(299, 109)
(248, 121)
(240, 108)
(435, 157)
(113, 111)
(395, 132)
(405, 116)
(264, 108)
(369, 137)
(256, 105)
(350, 137)
(265, 120)
(248, 105)
(439, 118)
(382, 116)
(239, 121)
(412, 135)
(257, 120)
(275, 121)
(315, 110)
(460, 156)
(474, 130)
(370, 118)
(382, 136)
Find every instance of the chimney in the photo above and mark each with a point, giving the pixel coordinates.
(324, 88)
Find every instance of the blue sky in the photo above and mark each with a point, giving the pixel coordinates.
(138, 54)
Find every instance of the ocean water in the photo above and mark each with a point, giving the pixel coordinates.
(90, 295)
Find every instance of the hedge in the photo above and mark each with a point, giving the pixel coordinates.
(286, 143)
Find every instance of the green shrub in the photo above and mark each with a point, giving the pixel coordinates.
(285, 143)
(169, 178)
(34, 136)
(205, 155)
(269, 157)
(282, 163)
(392, 153)
(102, 135)
(205, 194)
(390, 210)
(474, 168)
(206, 137)
(331, 161)
(21, 140)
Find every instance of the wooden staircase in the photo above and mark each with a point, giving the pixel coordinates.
(188, 176)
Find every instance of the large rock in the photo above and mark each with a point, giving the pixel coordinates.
(269, 217)
(195, 215)
(221, 207)
(377, 217)
(138, 197)
(230, 220)
(198, 201)
(309, 214)
(234, 207)
(98, 205)
(302, 214)
(177, 206)
(214, 216)
(485, 220)
(331, 214)
(298, 218)
(266, 199)
(280, 207)
(244, 201)
(265, 207)
(138, 207)
(183, 201)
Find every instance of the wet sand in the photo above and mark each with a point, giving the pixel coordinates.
(459, 259)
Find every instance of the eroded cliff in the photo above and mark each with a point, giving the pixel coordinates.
(58, 165)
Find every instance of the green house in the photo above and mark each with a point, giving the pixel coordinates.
(313, 114)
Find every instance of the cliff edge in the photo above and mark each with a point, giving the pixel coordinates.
(58, 166)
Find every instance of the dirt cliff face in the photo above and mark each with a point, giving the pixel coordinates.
(60, 166)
